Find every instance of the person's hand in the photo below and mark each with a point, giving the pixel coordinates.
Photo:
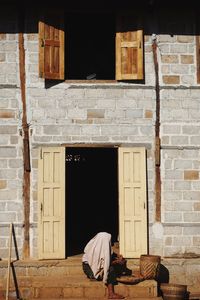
(119, 259)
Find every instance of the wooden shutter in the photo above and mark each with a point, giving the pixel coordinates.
(132, 202)
(51, 47)
(129, 50)
(51, 202)
(198, 57)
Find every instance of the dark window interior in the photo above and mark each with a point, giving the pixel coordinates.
(90, 46)
(91, 195)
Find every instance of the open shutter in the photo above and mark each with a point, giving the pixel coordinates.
(51, 48)
(198, 57)
(51, 202)
(132, 202)
(129, 51)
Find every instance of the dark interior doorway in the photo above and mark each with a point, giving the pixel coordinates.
(91, 195)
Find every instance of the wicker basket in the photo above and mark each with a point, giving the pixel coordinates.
(130, 279)
(171, 291)
(149, 266)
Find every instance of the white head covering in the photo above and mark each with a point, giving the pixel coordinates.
(97, 253)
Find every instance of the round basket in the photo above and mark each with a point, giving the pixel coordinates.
(130, 279)
(173, 291)
(149, 266)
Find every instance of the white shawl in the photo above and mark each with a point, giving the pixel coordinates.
(97, 253)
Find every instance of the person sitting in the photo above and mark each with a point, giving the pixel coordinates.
(99, 262)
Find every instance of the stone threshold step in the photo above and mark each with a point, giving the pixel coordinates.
(91, 291)
(67, 281)
(105, 298)
(194, 295)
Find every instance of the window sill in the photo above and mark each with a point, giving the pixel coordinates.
(91, 81)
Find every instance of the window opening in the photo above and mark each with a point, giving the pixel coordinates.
(90, 46)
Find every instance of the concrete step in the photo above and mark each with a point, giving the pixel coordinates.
(64, 279)
(72, 287)
(127, 298)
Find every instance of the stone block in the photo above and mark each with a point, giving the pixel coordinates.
(90, 130)
(49, 292)
(191, 217)
(169, 59)
(180, 241)
(148, 114)
(171, 129)
(191, 195)
(15, 163)
(95, 113)
(94, 291)
(180, 69)
(7, 217)
(196, 206)
(191, 129)
(195, 140)
(168, 241)
(134, 113)
(106, 103)
(14, 140)
(180, 140)
(191, 175)
(27, 293)
(8, 129)
(2, 36)
(191, 230)
(73, 292)
(3, 184)
(182, 185)
(185, 39)
(173, 216)
(196, 241)
(2, 57)
(187, 59)
(51, 130)
(183, 206)
(8, 174)
(165, 69)
(171, 79)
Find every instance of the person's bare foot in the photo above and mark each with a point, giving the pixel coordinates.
(115, 296)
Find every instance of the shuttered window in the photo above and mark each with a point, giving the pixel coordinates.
(129, 55)
(51, 48)
(198, 58)
(127, 50)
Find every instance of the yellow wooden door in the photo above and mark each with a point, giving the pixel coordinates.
(51, 202)
(132, 202)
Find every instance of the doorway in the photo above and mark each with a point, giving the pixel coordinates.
(91, 195)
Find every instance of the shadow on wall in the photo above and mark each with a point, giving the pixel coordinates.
(162, 277)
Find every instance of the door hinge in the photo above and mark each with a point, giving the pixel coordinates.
(42, 43)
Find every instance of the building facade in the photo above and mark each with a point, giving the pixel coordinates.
(100, 128)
